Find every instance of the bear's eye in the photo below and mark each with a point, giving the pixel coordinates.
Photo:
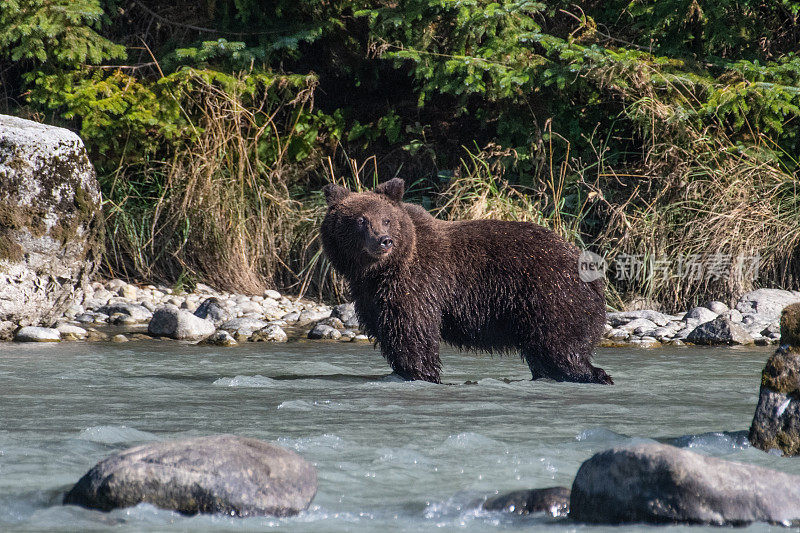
(386, 221)
(360, 221)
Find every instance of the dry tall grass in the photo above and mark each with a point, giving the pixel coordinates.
(221, 211)
(697, 198)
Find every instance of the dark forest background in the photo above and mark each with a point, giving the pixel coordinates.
(659, 134)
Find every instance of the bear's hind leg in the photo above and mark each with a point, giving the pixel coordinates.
(558, 367)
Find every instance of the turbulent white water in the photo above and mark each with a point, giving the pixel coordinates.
(391, 456)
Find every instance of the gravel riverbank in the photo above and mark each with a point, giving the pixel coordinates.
(117, 311)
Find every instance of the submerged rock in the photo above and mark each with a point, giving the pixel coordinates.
(169, 321)
(721, 330)
(657, 483)
(553, 501)
(776, 422)
(37, 334)
(50, 227)
(220, 474)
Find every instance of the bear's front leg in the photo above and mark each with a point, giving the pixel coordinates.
(410, 343)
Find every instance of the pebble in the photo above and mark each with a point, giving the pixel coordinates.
(71, 332)
(717, 307)
(275, 295)
(220, 338)
(702, 314)
(324, 331)
(270, 334)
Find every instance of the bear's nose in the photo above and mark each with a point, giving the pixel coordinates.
(386, 242)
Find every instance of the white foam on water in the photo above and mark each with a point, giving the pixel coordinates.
(115, 435)
(305, 405)
(256, 381)
(473, 441)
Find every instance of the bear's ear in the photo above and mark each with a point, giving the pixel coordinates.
(393, 189)
(334, 193)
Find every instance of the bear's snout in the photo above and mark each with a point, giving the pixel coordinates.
(378, 246)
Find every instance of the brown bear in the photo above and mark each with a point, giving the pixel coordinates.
(489, 285)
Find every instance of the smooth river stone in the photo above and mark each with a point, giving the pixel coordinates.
(37, 334)
(169, 321)
(720, 331)
(662, 484)
(221, 474)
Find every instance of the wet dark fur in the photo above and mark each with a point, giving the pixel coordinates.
(490, 285)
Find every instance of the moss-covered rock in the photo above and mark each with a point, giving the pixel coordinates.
(50, 220)
(790, 325)
(776, 423)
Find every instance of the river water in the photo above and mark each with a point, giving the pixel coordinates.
(391, 456)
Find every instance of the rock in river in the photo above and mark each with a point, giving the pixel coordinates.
(169, 321)
(776, 423)
(220, 474)
(721, 330)
(553, 501)
(50, 221)
(658, 483)
(37, 334)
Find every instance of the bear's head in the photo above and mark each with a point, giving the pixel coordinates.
(365, 230)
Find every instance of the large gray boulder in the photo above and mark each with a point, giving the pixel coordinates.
(721, 330)
(220, 474)
(767, 303)
(169, 321)
(662, 484)
(776, 422)
(50, 223)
